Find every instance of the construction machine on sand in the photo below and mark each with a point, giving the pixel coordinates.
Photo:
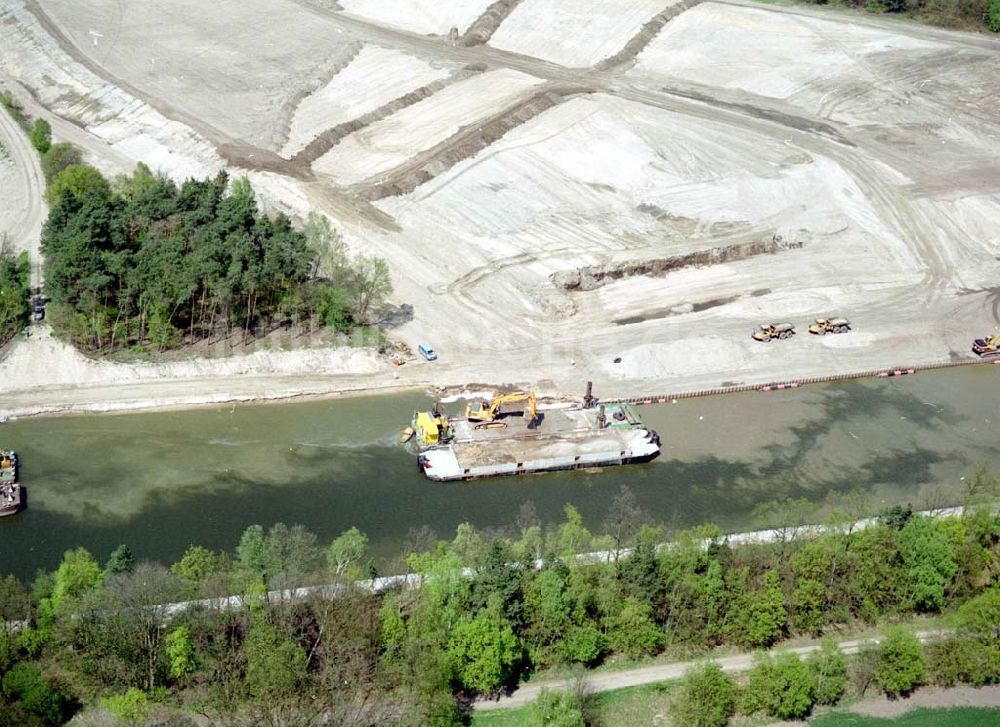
(774, 330)
(822, 326)
(987, 346)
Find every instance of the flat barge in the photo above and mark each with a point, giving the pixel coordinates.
(562, 437)
(10, 490)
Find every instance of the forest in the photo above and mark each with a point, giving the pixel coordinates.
(142, 263)
(14, 293)
(488, 610)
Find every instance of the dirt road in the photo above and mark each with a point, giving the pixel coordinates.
(608, 681)
(24, 224)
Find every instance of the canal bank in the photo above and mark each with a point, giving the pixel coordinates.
(162, 481)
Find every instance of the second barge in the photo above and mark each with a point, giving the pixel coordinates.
(561, 437)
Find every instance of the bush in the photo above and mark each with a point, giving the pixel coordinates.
(41, 135)
(57, 158)
(632, 631)
(783, 687)
(900, 666)
(829, 668)
(993, 16)
(583, 644)
(706, 699)
(555, 709)
(23, 684)
(962, 661)
(132, 706)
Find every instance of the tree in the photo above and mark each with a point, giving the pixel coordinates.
(782, 686)
(291, 554)
(345, 552)
(555, 709)
(707, 698)
(631, 629)
(251, 556)
(77, 574)
(624, 519)
(121, 560)
(41, 135)
(275, 667)
(758, 618)
(77, 180)
(829, 668)
(483, 649)
(24, 684)
(180, 651)
(929, 563)
(993, 16)
(194, 567)
(900, 666)
(58, 157)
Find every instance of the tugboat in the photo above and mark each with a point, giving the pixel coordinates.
(10, 490)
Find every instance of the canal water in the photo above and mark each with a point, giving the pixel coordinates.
(164, 480)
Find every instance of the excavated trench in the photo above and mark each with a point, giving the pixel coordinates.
(592, 277)
(468, 142)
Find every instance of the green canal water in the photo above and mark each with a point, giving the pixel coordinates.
(164, 480)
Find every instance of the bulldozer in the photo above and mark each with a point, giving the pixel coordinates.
(987, 346)
(822, 326)
(488, 411)
(774, 330)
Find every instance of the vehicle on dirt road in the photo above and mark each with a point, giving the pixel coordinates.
(427, 352)
(822, 326)
(987, 346)
(765, 333)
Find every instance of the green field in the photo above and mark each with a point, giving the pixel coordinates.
(953, 717)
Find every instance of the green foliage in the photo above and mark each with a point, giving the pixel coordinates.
(829, 668)
(583, 644)
(41, 135)
(77, 181)
(962, 661)
(483, 649)
(77, 574)
(993, 16)
(275, 666)
(131, 706)
(145, 263)
(121, 560)
(900, 666)
(757, 618)
(14, 289)
(24, 685)
(782, 686)
(180, 651)
(979, 617)
(929, 563)
(951, 717)
(555, 709)
(707, 698)
(631, 629)
(57, 158)
(194, 567)
(345, 552)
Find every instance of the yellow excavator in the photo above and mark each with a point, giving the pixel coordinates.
(988, 346)
(488, 411)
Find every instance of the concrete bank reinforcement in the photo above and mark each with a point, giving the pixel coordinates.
(794, 384)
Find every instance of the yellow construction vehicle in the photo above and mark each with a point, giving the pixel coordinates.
(431, 427)
(822, 326)
(987, 346)
(765, 333)
(489, 411)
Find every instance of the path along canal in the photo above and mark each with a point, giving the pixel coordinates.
(161, 481)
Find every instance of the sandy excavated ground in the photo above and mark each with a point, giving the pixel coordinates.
(493, 164)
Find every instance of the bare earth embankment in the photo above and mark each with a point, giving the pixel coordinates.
(561, 141)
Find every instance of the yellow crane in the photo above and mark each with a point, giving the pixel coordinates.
(489, 411)
(988, 346)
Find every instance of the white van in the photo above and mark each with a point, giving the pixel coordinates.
(427, 352)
